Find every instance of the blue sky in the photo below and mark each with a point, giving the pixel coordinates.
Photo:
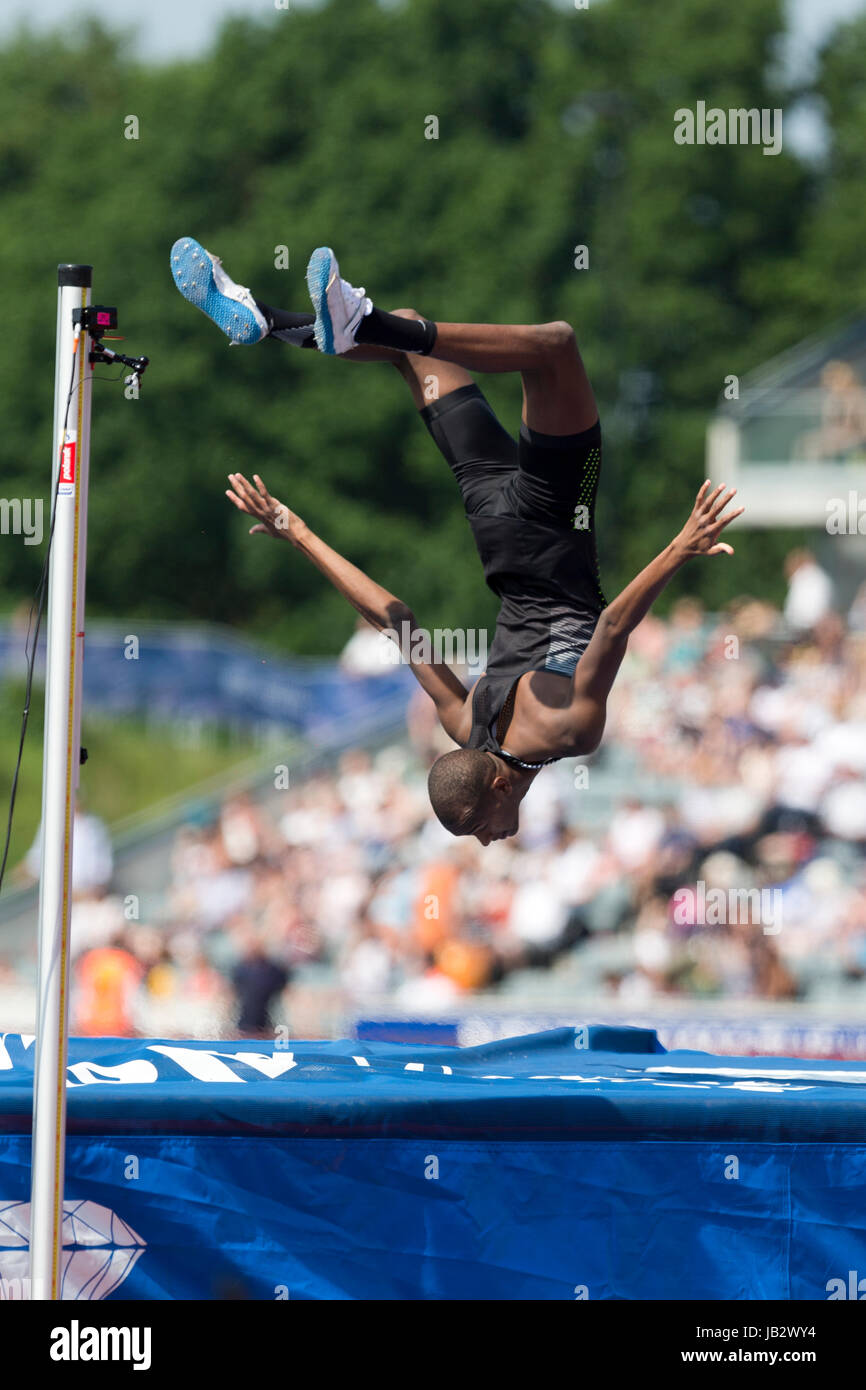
(180, 28)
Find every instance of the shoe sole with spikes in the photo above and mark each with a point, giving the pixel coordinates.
(201, 279)
(320, 272)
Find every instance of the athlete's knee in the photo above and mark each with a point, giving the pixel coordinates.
(558, 339)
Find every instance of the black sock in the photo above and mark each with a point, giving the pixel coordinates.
(393, 331)
(289, 327)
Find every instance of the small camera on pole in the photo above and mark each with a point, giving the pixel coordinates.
(97, 319)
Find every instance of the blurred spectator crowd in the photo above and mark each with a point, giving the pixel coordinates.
(734, 759)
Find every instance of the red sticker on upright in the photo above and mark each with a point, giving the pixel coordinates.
(67, 463)
(68, 451)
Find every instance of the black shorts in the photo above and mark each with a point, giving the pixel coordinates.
(542, 478)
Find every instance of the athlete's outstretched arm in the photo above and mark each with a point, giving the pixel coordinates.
(380, 608)
(597, 669)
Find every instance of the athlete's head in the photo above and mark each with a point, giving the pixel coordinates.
(474, 793)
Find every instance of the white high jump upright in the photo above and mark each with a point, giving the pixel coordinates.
(61, 759)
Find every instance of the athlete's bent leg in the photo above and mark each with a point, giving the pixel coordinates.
(557, 396)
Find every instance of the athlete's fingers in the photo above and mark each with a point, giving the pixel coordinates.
(258, 530)
(721, 549)
(701, 492)
(247, 492)
(709, 502)
(719, 506)
(272, 507)
(242, 487)
(237, 497)
(732, 516)
(263, 492)
(237, 501)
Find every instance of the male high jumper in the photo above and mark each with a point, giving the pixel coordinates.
(530, 503)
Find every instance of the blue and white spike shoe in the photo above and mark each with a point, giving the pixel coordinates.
(201, 279)
(339, 306)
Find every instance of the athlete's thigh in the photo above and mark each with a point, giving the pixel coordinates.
(480, 452)
(557, 395)
(556, 482)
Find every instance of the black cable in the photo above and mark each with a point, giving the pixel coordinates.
(39, 602)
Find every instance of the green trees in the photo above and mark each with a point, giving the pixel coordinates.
(555, 130)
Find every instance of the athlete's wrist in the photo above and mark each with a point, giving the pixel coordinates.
(298, 533)
(679, 551)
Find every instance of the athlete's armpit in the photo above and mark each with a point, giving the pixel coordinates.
(586, 718)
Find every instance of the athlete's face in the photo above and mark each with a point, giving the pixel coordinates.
(496, 822)
(485, 837)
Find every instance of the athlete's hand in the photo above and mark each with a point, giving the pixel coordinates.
(700, 535)
(273, 518)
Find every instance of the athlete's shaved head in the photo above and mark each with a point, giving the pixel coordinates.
(459, 784)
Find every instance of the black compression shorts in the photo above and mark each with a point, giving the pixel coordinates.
(542, 478)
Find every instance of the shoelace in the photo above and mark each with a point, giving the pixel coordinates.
(242, 289)
(358, 294)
